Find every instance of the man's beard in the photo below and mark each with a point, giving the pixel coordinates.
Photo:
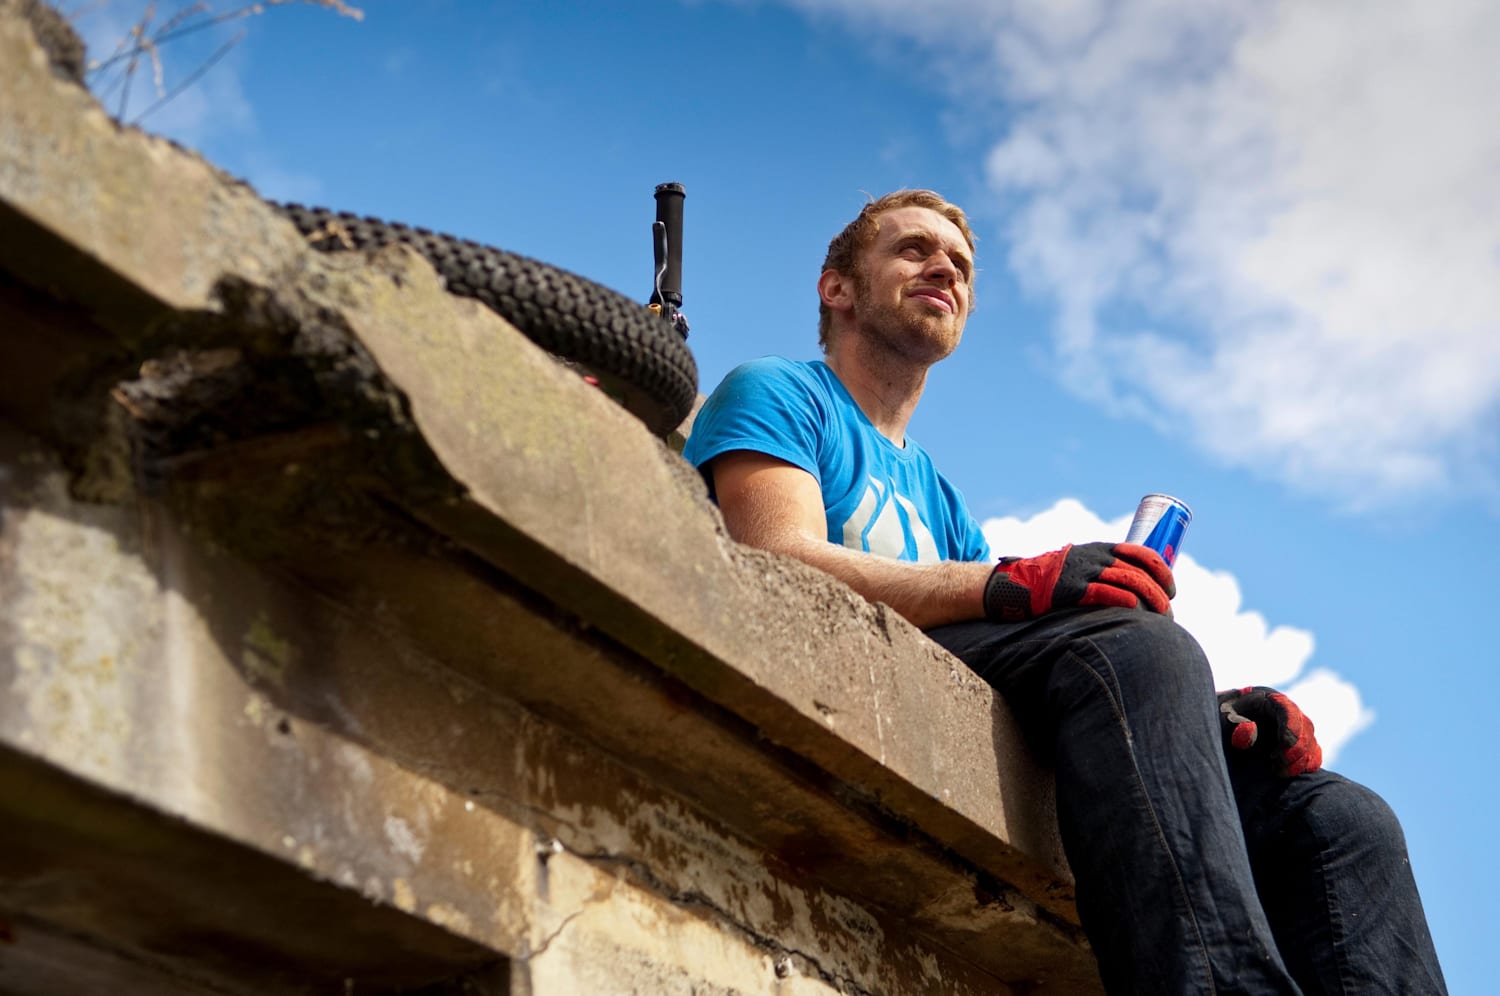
(920, 335)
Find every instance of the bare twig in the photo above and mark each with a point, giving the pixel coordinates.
(139, 31)
(144, 41)
(192, 77)
(182, 24)
(185, 14)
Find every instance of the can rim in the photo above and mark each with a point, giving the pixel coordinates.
(1171, 498)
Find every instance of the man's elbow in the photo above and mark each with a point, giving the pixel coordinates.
(777, 538)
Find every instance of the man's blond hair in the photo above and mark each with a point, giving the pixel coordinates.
(844, 250)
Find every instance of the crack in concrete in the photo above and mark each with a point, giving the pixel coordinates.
(546, 943)
(696, 900)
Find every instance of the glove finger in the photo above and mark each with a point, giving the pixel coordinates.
(1257, 704)
(1149, 561)
(1138, 583)
(1243, 731)
(1104, 594)
(1305, 743)
(1303, 758)
(1291, 717)
(1228, 697)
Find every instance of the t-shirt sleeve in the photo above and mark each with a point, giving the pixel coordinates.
(976, 547)
(969, 542)
(770, 406)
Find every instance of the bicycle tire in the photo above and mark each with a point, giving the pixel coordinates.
(637, 357)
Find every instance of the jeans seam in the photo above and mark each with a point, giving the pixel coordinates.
(1117, 707)
(1335, 910)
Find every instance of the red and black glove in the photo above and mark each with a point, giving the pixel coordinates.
(1121, 574)
(1260, 722)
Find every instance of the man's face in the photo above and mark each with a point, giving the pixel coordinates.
(913, 284)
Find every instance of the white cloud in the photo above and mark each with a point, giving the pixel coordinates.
(1276, 224)
(1241, 647)
(1334, 707)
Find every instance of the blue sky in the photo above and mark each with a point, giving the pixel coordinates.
(1248, 254)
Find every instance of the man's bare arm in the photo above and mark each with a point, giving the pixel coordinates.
(771, 504)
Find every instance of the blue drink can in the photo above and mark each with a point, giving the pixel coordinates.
(1160, 523)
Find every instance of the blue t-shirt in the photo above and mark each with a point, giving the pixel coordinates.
(878, 497)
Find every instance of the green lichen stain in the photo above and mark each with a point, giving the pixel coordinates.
(267, 655)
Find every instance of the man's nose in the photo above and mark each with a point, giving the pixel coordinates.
(939, 266)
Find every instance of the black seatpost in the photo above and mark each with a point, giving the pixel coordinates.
(666, 233)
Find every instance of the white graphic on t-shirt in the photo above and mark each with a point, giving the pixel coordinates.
(921, 536)
(876, 525)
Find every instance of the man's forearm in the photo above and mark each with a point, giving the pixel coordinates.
(926, 595)
(773, 505)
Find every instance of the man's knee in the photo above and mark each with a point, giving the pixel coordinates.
(1143, 664)
(1069, 657)
(1347, 815)
(1150, 648)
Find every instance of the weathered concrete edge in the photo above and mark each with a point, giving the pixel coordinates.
(305, 725)
(885, 705)
(753, 632)
(133, 874)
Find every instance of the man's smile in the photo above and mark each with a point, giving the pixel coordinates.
(937, 296)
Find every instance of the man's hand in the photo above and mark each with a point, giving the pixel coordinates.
(1121, 574)
(1261, 723)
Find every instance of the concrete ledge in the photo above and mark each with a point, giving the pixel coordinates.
(120, 870)
(367, 528)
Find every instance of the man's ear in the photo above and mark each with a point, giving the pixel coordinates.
(836, 290)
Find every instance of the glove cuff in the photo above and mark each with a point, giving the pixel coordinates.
(1006, 600)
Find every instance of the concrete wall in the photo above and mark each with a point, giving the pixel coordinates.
(350, 644)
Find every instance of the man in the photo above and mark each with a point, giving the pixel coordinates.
(1265, 874)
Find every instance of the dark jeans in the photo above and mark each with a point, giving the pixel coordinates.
(1192, 878)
